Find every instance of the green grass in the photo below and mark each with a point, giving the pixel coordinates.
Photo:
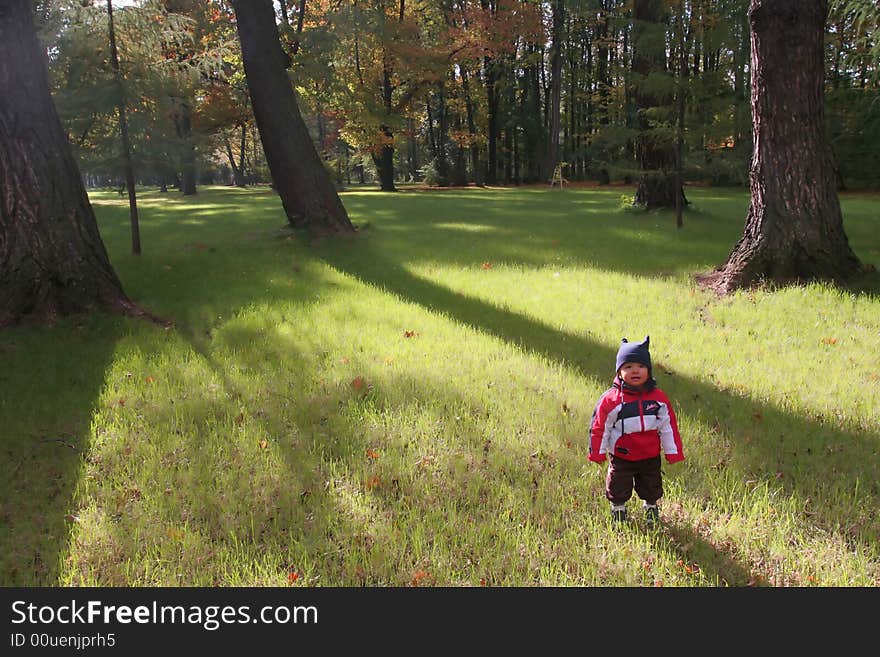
(409, 406)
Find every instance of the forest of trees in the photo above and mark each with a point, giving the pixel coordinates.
(448, 92)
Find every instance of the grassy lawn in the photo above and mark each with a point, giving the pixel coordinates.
(409, 406)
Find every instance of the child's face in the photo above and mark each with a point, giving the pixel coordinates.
(633, 374)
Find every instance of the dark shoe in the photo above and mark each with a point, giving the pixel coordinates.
(618, 515)
(652, 517)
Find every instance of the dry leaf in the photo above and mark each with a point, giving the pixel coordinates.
(264, 444)
(358, 383)
(487, 265)
(419, 576)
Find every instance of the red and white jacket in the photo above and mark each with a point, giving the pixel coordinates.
(634, 425)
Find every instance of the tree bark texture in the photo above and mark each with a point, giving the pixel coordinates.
(304, 185)
(52, 259)
(794, 229)
(657, 185)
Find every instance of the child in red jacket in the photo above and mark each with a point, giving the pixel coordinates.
(633, 420)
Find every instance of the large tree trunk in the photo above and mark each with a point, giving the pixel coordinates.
(304, 185)
(658, 185)
(52, 259)
(794, 229)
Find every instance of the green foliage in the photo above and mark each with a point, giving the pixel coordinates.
(862, 53)
(853, 124)
(409, 407)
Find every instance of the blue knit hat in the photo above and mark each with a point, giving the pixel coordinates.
(634, 352)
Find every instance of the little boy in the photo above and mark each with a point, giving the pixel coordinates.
(632, 421)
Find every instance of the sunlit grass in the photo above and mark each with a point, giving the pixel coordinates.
(409, 406)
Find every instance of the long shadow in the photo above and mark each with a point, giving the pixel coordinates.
(50, 381)
(778, 441)
(789, 451)
(52, 378)
(531, 227)
(715, 563)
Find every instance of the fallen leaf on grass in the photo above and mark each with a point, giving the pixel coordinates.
(373, 482)
(264, 444)
(372, 454)
(358, 382)
(418, 577)
(292, 577)
(487, 265)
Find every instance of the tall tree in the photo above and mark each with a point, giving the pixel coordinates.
(555, 101)
(52, 259)
(794, 229)
(307, 192)
(123, 133)
(658, 185)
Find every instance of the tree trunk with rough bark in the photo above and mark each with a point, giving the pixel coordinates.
(52, 259)
(304, 185)
(794, 229)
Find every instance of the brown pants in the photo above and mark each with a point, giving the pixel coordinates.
(645, 475)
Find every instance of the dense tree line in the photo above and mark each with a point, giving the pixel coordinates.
(452, 91)
(479, 91)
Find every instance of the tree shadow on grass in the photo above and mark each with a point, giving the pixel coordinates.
(812, 460)
(50, 382)
(532, 228)
(715, 563)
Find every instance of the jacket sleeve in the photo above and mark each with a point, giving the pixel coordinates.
(597, 431)
(670, 439)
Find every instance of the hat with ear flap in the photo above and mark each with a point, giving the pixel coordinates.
(634, 352)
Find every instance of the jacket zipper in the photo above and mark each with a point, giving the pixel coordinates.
(641, 412)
